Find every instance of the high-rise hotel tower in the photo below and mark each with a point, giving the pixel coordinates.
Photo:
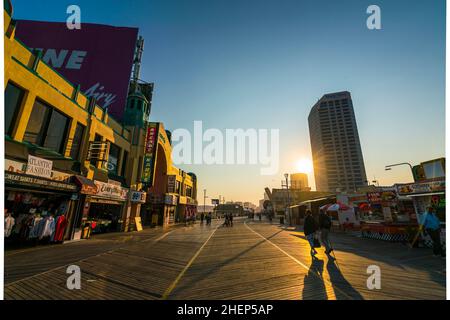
(336, 150)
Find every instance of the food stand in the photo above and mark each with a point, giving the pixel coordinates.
(424, 194)
(384, 217)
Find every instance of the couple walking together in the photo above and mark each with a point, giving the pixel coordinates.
(312, 228)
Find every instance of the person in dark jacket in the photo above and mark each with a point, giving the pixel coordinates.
(325, 226)
(310, 228)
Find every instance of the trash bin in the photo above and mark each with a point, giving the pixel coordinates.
(281, 220)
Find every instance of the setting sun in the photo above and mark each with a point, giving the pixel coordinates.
(304, 166)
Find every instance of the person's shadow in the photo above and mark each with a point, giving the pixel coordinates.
(313, 285)
(343, 290)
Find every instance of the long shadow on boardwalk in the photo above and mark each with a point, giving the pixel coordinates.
(370, 249)
(338, 281)
(313, 284)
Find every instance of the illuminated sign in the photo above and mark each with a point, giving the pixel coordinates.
(150, 153)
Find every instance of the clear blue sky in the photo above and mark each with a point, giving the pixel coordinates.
(263, 64)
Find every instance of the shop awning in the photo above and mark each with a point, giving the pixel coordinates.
(87, 185)
(425, 194)
(317, 200)
(36, 182)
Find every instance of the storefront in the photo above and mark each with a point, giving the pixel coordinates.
(104, 206)
(383, 214)
(424, 194)
(390, 215)
(38, 210)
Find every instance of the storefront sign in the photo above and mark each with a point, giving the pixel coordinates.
(88, 189)
(423, 187)
(374, 197)
(111, 191)
(170, 199)
(30, 181)
(182, 200)
(138, 196)
(355, 199)
(171, 183)
(21, 167)
(39, 167)
(381, 196)
(150, 153)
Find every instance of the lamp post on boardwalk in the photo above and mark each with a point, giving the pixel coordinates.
(204, 201)
(288, 208)
(389, 167)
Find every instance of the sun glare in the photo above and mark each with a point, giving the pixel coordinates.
(304, 166)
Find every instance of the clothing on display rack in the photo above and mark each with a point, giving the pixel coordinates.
(61, 224)
(9, 224)
(48, 227)
(34, 227)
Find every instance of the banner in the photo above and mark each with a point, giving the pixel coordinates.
(150, 153)
(97, 57)
(423, 187)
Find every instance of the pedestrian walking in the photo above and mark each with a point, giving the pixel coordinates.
(432, 226)
(310, 228)
(202, 216)
(226, 221)
(325, 226)
(231, 219)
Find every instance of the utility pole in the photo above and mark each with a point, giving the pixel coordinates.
(204, 200)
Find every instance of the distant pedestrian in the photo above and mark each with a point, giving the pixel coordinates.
(231, 219)
(432, 226)
(208, 219)
(226, 220)
(202, 216)
(325, 226)
(310, 228)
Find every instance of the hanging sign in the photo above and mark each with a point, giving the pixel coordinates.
(150, 153)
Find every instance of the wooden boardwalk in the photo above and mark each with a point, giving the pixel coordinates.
(248, 261)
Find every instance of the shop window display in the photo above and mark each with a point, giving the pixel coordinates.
(104, 218)
(32, 219)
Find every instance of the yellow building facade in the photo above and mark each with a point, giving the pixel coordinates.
(65, 156)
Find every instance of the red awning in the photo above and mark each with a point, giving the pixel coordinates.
(87, 185)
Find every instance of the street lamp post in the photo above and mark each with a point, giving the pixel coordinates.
(286, 175)
(204, 201)
(389, 167)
